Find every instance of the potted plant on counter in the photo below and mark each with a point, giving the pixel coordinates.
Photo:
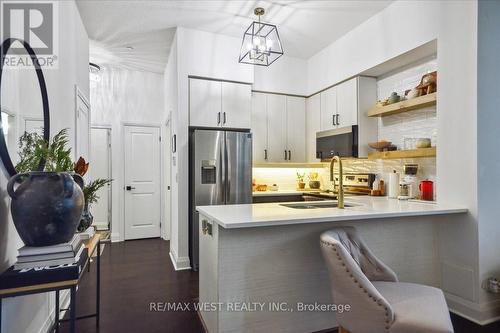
(314, 183)
(300, 181)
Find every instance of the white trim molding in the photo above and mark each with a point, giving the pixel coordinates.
(479, 313)
(181, 263)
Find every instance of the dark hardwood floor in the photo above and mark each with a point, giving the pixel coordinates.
(136, 273)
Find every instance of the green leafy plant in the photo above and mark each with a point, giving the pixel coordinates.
(90, 190)
(300, 177)
(33, 148)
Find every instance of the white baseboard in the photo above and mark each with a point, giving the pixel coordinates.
(115, 237)
(179, 264)
(479, 313)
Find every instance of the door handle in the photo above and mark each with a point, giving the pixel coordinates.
(218, 118)
(289, 155)
(129, 188)
(285, 155)
(338, 123)
(224, 117)
(265, 154)
(333, 119)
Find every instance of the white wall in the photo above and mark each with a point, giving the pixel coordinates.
(398, 28)
(488, 118)
(286, 75)
(125, 96)
(34, 313)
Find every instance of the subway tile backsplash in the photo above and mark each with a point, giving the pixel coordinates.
(415, 124)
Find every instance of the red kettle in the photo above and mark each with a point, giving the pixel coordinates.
(426, 190)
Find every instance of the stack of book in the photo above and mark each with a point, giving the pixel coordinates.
(88, 233)
(48, 256)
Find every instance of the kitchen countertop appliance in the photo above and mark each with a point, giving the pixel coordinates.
(356, 183)
(220, 173)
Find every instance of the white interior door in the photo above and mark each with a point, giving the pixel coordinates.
(82, 138)
(165, 230)
(100, 161)
(33, 125)
(142, 182)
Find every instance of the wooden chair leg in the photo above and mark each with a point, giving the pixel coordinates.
(343, 330)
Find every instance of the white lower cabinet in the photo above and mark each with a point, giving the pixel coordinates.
(278, 127)
(208, 271)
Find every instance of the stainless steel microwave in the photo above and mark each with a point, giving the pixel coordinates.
(339, 141)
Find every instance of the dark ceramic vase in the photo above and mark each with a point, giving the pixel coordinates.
(46, 206)
(86, 220)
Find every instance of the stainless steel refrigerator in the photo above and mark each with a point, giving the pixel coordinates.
(220, 165)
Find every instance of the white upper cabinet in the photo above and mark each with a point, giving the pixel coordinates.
(278, 127)
(259, 127)
(236, 105)
(296, 129)
(347, 103)
(329, 109)
(339, 105)
(205, 103)
(215, 104)
(276, 124)
(313, 125)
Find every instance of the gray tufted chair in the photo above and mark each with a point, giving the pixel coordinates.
(379, 302)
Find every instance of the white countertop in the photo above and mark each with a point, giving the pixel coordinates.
(271, 214)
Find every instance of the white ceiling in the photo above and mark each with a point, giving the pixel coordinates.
(305, 27)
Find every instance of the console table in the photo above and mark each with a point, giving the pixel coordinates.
(93, 245)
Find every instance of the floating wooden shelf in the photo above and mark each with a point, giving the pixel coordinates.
(404, 106)
(414, 153)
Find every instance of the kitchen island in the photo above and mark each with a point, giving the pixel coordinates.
(262, 267)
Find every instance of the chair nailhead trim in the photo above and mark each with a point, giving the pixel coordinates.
(378, 302)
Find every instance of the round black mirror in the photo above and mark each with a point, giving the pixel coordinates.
(9, 141)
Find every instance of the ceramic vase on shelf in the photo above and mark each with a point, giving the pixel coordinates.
(86, 220)
(46, 206)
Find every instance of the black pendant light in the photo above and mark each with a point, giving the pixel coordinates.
(261, 43)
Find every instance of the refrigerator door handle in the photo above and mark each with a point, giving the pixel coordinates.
(222, 172)
(227, 163)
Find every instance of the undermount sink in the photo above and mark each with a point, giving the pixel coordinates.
(314, 205)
